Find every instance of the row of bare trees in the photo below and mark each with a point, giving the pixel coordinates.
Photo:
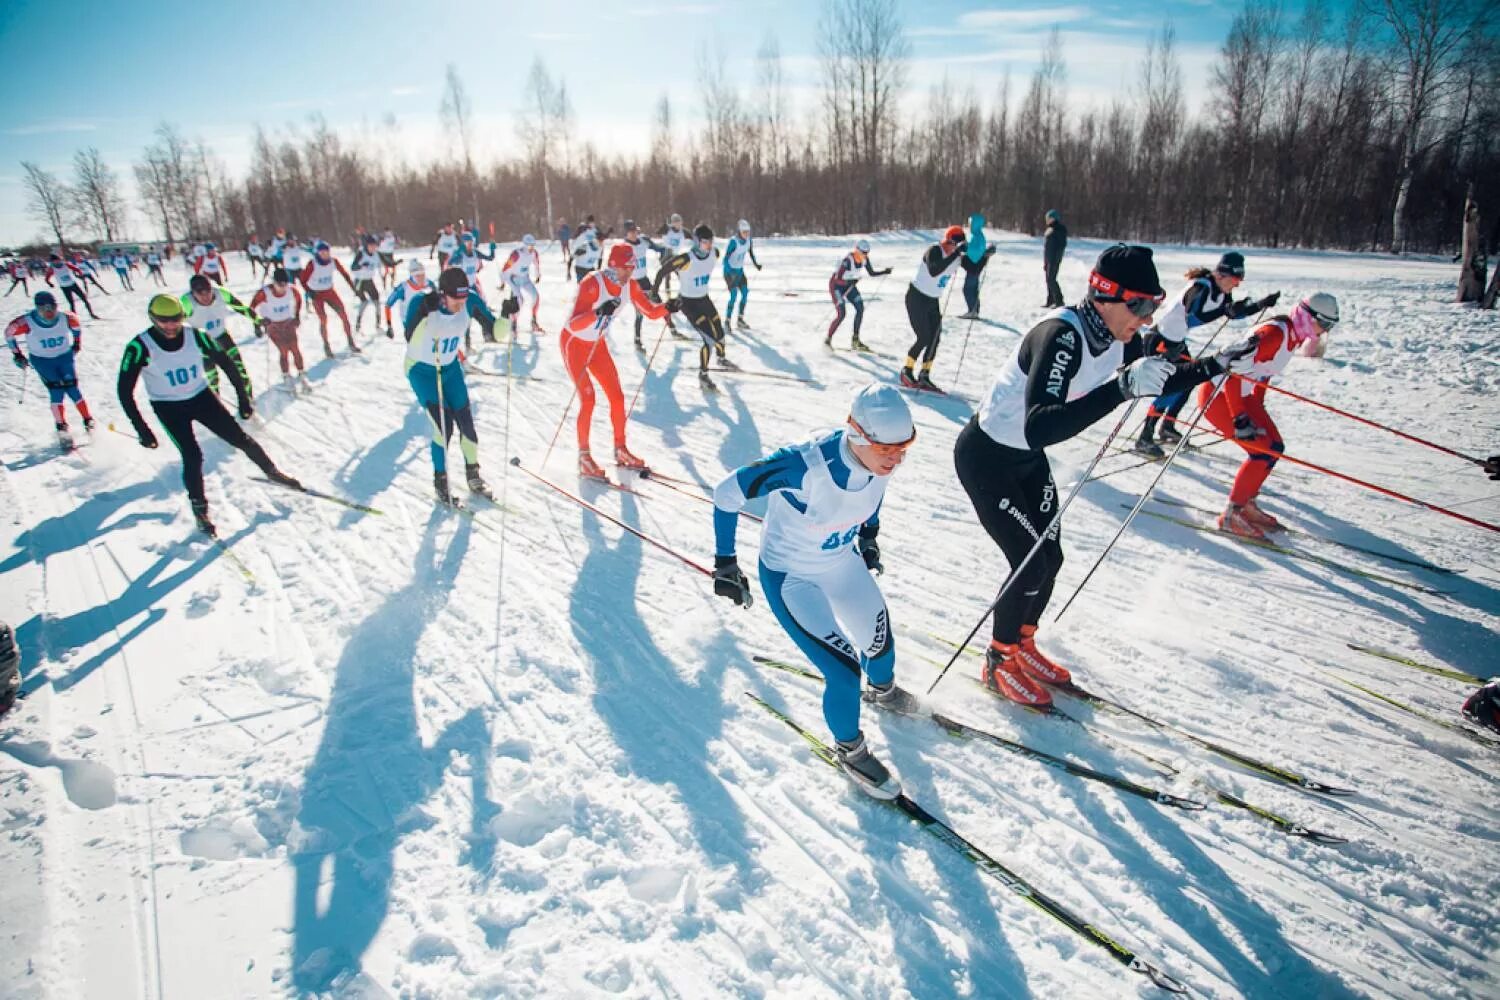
(1359, 131)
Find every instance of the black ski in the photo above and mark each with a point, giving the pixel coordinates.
(987, 865)
(962, 729)
(320, 495)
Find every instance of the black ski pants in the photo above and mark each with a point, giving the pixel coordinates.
(926, 316)
(704, 316)
(177, 417)
(1054, 290)
(1013, 493)
(70, 291)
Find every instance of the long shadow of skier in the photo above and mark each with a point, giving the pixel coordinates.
(371, 770)
(660, 722)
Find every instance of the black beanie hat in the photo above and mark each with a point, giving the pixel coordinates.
(1125, 268)
(453, 282)
(1232, 264)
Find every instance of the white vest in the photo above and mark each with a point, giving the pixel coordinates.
(438, 337)
(738, 249)
(64, 274)
(321, 279)
(696, 276)
(1002, 415)
(447, 243)
(1173, 324)
(388, 244)
(1264, 371)
(930, 284)
(277, 308)
(676, 239)
(640, 250)
(211, 318)
(811, 529)
(173, 375)
(43, 341)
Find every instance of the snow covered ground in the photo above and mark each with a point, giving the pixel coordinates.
(424, 755)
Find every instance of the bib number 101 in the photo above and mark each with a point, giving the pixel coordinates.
(182, 376)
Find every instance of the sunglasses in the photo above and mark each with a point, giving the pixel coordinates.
(1140, 304)
(168, 320)
(1323, 321)
(884, 450)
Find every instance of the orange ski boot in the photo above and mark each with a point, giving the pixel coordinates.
(1003, 675)
(1037, 665)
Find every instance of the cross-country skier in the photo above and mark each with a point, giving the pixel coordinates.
(10, 669)
(976, 255)
(1239, 410)
(444, 243)
(401, 296)
(70, 279)
(586, 252)
(470, 259)
(740, 246)
(564, 237)
(212, 264)
(172, 359)
(317, 280)
(924, 306)
(153, 266)
(387, 251)
(257, 257)
(1207, 298)
(363, 270)
(516, 276)
(293, 256)
(89, 272)
(17, 272)
(52, 338)
(586, 352)
(437, 323)
(640, 245)
(120, 261)
(843, 288)
(696, 268)
(278, 307)
(207, 309)
(674, 240)
(1068, 372)
(818, 551)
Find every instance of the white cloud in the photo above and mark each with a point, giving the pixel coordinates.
(56, 125)
(1036, 17)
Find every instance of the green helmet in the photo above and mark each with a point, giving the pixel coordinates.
(164, 306)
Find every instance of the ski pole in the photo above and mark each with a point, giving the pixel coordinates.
(584, 371)
(1209, 343)
(654, 348)
(1256, 446)
(1373, 423)
(1036, 547)
(1141, 502)
(24, 383)
(970, 329)
(516, 461)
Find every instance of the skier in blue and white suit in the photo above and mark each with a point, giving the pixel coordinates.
(817, 552)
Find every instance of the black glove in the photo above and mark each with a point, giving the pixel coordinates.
(961, 246)
(870, 549)
(1268, 301)
(1244, 430)
(757, 267)
(674, 304)
(246, 409)
(607, 308)
(260, 328)
(77, 346)
(147, 439)
(20, 360)
(730, 582)
(1237, 352)
(1492, 466)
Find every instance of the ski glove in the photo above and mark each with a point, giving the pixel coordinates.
(730, 582)
(607, 308)
(246, 409)
(77, 346)
(869, 548)
(1145, 377)
(20, 360)
(674, 304)
(757, 267)
(1268, 301)
(1244, 430)
(1492, 466)
(1230, 357)
(147, 439)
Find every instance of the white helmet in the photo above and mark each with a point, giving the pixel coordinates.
(675, 220)
(881, 415)
(863, 246)
(742, 227)
(1324, 308)
(416, 266)
(528, 240)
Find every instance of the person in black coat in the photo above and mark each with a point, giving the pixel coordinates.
(1054, 245)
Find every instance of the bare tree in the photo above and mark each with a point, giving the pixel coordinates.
(1472, 257)
(1161, 118)
(455, 112)
(47, 198)
(1241, 79)
(96, 193)
(151, 179)
(1427, 39)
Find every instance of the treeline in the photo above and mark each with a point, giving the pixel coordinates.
(1357, 133)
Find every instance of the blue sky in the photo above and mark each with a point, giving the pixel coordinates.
(104, 74)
